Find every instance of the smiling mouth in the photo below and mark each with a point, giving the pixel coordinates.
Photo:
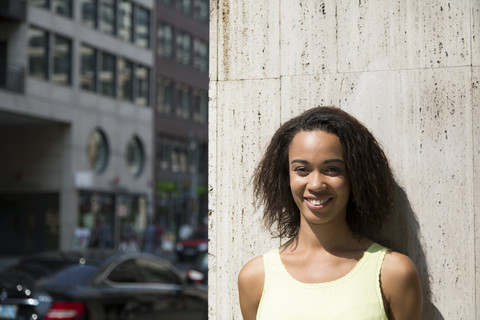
(318, 202)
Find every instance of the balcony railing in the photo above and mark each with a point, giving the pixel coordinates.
(12, 78)
(13, 9)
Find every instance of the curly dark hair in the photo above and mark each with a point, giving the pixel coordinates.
(372, 182)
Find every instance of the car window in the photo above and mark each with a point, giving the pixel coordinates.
(125, 272)
(156, 272)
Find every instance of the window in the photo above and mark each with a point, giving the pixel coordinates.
(201, 11)
(164, 95)
(125, 79)
(96, 213)
(164, 155)
(168, 2)
(142, 76)
(62, 57)
(183, 108)
(63, 7)
(200, 55)
(41, 57)
(107, 16)
(122, 18)
(107, 74)
(183, 163)
(142, 27)
(125, 21)
(200, 106)
(97, 151)
(175, 160)
(156, 272)
(183, 48)
(125, 272)
(185, 6)
(38, 53)
(89, 13)
(88, 68)
(135, 156)
(165, 40)
(40, 3)
(99, 73)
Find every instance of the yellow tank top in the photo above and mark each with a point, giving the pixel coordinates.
(355, 296)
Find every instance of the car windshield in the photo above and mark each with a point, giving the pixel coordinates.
(199, 234)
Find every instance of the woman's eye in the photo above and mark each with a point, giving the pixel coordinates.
(300, 170)
(333, 170)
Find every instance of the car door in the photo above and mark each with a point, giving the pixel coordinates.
(117, 294)
(148, 289)
(170, 297)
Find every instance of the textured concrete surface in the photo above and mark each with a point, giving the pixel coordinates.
(476, 174)
(409, 70)
(248, 39)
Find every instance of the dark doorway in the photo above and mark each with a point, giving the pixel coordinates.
(28, 223)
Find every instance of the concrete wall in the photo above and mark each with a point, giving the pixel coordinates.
(410, 70)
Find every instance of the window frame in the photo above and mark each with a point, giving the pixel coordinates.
(136, 24)
(120, 17)
(114, 92)
(95, 68)
(49, 56)
(45, 58)
(54, 37)
(94, 13)
(163, 41)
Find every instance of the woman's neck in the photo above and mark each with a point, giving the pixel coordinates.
(325, 237)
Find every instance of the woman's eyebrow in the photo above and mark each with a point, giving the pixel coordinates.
(326, 161)
(300, 161)
(334, 160)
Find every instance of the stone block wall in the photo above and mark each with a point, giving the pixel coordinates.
(409, 70)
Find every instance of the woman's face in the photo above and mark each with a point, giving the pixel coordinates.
(318, 178)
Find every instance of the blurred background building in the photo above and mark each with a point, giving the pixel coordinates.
(181, 112)
(103, 108)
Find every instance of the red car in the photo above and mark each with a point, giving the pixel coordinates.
(195, 244)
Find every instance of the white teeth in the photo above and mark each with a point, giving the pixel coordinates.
(316, 202)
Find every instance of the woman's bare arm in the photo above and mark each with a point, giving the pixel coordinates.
(401, 287)
(250, 287)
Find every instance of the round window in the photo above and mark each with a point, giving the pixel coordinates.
(135, 156)
(97, 150)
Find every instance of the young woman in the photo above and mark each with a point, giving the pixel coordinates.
(326, 185)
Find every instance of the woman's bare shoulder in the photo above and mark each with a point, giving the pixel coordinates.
(398, 267)
(250, 287)
(253, 271)
(401, 286)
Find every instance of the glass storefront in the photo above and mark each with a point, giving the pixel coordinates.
(108, 220)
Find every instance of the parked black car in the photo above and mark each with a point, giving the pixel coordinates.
(96, 285)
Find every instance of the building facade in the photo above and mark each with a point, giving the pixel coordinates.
(76, 123)
(181, 81)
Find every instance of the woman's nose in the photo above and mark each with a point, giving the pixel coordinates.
(317, 181)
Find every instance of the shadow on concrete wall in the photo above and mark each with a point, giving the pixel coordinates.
(402, 234)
